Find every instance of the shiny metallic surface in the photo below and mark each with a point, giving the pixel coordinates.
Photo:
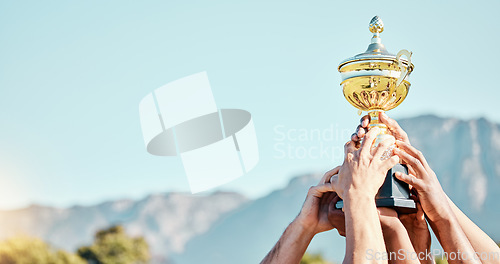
(376, 25)
(376, 79)
(374, 92)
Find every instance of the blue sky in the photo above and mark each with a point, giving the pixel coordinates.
(72, 74)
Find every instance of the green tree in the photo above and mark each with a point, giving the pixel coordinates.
(309, 258)
(26, 250)
(114, 246)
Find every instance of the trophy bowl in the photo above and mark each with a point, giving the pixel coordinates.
(376, 91)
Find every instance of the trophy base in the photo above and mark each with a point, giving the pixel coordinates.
(393, 193)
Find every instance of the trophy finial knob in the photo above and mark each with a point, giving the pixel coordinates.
(376, 25)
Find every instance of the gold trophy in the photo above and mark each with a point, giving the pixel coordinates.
(377, 81)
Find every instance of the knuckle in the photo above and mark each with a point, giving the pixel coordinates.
(417, 162)
(411, 180)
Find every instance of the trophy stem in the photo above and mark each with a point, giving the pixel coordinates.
(375, 122)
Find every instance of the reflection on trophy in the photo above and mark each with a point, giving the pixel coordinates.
(377, 81)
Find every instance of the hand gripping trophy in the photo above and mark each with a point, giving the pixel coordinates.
(377, 81)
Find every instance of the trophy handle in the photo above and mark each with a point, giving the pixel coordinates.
(404, 70)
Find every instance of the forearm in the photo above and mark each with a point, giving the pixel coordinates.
(291, 246)
(453, 240)
(479, 240)
(364, 240)
(398, 243)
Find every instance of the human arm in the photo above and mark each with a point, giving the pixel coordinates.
(418, 232)
(357, 183)
(291, 246)
(415, 223)
(435, 204)
(398, 243)
(312, 219)
(479, 240)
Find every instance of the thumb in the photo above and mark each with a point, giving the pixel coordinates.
(334, 181)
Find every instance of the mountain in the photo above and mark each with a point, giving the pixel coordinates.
(466, 157)
(464, 154)
(246, 235)
(167, 221)
(226, 228)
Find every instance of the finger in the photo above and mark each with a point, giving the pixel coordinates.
(329, 174)
(365, 120)
(354, 137)
(411, 170)
(382, 147)
(390, 162)
(413, 151)
(330, 197)
(334, 181)
(326, 199)
(394, 127)
(414, 195)
(349, 147)
(336, 198)
(409, 179)
(412, 161)
(361, 132)
(368, 141)
(319, 190)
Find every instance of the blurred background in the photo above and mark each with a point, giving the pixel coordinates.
(72, 157)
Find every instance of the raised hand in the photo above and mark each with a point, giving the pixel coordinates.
(430, 193)
(357, 183)
(314, 217)
(435, 204)
(316, 211)
(364, 171)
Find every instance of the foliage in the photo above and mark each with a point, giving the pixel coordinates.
(309, 258)
(114, 246)
(441, 260)
(26, 250)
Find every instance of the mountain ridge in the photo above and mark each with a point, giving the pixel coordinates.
(223, 226)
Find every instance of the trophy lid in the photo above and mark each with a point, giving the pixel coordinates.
(376, 50)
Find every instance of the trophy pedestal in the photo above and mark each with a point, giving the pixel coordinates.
(393, 193)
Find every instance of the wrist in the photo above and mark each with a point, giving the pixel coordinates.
(443, 219)
(302, 227)
(442, 216)
(356, 195)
